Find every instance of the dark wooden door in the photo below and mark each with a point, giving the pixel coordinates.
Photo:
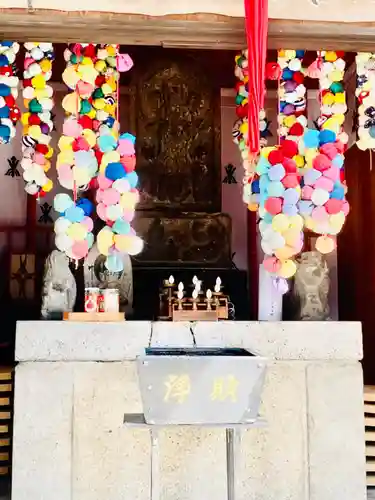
(356, 253)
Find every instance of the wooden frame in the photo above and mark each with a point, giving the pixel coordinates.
(193, 30)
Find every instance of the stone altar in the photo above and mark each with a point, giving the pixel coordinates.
(74, 382)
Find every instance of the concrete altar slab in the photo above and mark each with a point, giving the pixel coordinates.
(54, 341)
(284, 339)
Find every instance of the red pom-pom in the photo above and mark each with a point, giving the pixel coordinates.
(275, 156)
(321, 163)
(27, 83)
(329, 150)
(42, 148)
(273, 205)
(6, 70)
(290, 181)
(90, 51)
(298, 77)
(340, 54)
(41, 194)
(15, 114)
(273, 71)
(242, 111)
(85, 122)
(99, 156)
(297, 129)
(342, 176)
(99, 81)
(290, 166)
(9, 101)
(129, 163)
(289, 148)
(334, 206)
(34, 119)
(340, 146)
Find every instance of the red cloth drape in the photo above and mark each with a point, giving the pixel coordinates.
(256, 14)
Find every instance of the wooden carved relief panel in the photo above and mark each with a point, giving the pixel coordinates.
(178, 145)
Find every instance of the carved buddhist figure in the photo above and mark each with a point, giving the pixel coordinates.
(311, 287)
(59, 293)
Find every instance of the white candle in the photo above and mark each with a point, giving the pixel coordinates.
(195, 294)
(171, 280)
(209, 294)
(180, 286)
(195, 280)
(180, 295)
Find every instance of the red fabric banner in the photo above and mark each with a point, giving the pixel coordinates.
(256, 14)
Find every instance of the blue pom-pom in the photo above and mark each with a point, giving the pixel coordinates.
(74, 214)
(311, 138)
(86, 206)
(3, 60)
(6, 43)
(338, 161)
(327, 136)
(4, 132)
(267, 217)
(115, 171)
(287, 74)
(128, 137)
(282, 106)
(300, 54)
(4, 112)
(4, 90)
(338, 192)
(132, 178)
(255, 189)
(110, 121)
(106, 143)
(121, 226)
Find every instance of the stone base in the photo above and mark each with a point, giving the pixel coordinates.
(74, 382)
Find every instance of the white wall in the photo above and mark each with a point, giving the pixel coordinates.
(320, 10)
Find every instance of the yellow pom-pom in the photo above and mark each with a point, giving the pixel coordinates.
(65, 157)
(38, 82)
(340, 98)
(280, 223)
(35, 131)
(46, 65)
(253, 207)
(330, 56)
(300, 162)
(47, 166)
(48, 186)
(289, 121)
(325, 244)
(106, 89)
(65, 143)
(105, 241)
(110, 157)
(77, 231)
(100, 66)
(49, 153)
(290, 54)
(25, 119)
(90, 137)
(288, 269)
(328, 99)
(285, 253)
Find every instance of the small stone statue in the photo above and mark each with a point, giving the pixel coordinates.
(311, 287)
(60, 288)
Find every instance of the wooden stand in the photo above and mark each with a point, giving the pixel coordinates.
(105, 317)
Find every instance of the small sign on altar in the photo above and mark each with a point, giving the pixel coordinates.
(201, 389)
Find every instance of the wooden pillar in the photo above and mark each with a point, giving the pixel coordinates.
(31, 206)
(253, 266)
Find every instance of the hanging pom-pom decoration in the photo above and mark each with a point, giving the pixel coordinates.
(117, 194)
(77, 163)
(37, 120)
(73, 229)
(365, 93)
(240, 131)
(9, 112)
(323, 202)
(281, 224)
(292, 94)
